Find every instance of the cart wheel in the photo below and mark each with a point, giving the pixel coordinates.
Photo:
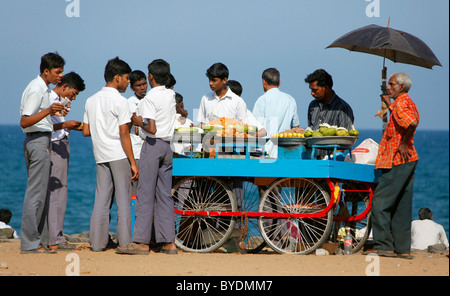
(203, 233)
(355, 198)
(295, 235)
(247, 198)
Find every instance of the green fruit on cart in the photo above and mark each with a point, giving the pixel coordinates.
(353, 133)
(307, 134)
(329, 132)
(317, 134)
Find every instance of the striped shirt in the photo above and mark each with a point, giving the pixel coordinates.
(403, 113)
(336, 112)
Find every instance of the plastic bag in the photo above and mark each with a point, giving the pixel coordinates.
(365, 153)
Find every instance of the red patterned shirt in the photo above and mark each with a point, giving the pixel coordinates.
(403, 113)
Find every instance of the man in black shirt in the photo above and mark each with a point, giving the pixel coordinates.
(327, 106)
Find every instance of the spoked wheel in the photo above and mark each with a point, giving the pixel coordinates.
(354, 212)
(295, 235)
(198, 204)
(247, 198)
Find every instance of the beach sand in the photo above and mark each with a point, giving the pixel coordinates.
(267, 263)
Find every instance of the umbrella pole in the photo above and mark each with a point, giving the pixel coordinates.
(384, 108)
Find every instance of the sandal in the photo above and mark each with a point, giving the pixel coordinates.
(167, 251)
(38, 251)
(405, 256)
(382, 253)
(65, 247)
(131, 249)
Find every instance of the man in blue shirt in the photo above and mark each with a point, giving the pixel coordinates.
(276, 110)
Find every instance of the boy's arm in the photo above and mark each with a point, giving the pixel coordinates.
(86, 131)
(29, 120)
(85, 126)
(149, 128)
(71, 125)
(125, 140)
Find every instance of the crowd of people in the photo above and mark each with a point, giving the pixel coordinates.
(131, 141)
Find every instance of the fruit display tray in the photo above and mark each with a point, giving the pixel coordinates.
(288, 142)
(346, 141)
(187, 137)
(226, 140)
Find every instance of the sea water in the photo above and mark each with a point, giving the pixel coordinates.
(431, 186)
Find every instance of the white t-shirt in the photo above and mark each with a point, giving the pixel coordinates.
(159, 105)
(105, 111)
(35, 98)
(425, 233)
(136, 140)
(230, 106)
(180, 148)
(61, 133)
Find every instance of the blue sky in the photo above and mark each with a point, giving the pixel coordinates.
(248, 36)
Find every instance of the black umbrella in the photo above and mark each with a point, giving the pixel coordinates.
(395, 45)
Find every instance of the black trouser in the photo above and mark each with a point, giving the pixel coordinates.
(392, 209)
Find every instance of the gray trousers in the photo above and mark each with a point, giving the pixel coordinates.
(34, 227)
(57, 190)
(113, 180)
(392, 209)
(154, 195)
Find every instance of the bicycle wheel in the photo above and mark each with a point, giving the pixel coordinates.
(355, 198)
(295, 235)
(202, 233)
(247, 198)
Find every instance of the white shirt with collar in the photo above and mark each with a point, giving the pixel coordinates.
(136, 140)
(105, 111)
(230, 106)
(35, 98)
(159, 105)
(61, 133)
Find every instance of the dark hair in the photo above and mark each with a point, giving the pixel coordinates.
(218, 70)
(115, 67)
(271, 76)
(160, 69)
(5, 215)
(425, 213)
(322, 78)
(135, 76)
(178, 98)
(171, 81)
(73, 80)
(51, 61)
(235, 87)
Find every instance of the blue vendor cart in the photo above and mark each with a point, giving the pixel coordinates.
(293, 204)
